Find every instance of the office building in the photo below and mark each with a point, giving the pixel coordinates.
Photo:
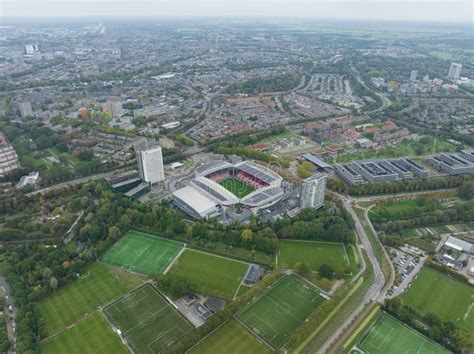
(312, 191)
(8, 157)
(413, 75)
(150, 165)
(455, 71)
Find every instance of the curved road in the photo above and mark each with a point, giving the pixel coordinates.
(385, 100)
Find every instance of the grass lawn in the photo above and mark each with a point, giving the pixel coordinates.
(219, 275)
(236, 187)
(91, 334)
(280, 310)
(231, 338)
(147, 320)
(316, 253)
(434, 292)
(96, 287)
(390, 336)
(142, 253)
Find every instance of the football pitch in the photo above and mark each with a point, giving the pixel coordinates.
(390, 336)
(94, 288)
(280, 310)
(434, 292)
(231, 338)
(142, 253)
(149, 323)
(236, 187)
(91, 334)
(316, 253)
(221, 276)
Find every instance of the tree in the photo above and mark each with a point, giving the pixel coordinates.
(114, 233)
(466, 191)
(246, 234)
(302, 268)
(326, 271)
(53, 283)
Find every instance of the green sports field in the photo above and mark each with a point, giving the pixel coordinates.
(231, 338)
(147, 320)
(91, 334)
(236, 187)
(142, 253)
(94, 288)
(434, 292)
(280, 310)
(315, 253)
(221, 276)
(390, 336)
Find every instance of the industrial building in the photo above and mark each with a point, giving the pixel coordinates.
(150, 165)
(454, 163)
(378, 171)
(312, 191)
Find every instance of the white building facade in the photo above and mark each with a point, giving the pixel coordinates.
(455, 70)
(150, 165)
(312, 191)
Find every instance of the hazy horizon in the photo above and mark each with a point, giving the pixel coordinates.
(448, 11)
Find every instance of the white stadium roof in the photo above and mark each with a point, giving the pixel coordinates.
(195, 200)
(214, 191)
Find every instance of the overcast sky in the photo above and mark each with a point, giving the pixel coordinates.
(407, 10)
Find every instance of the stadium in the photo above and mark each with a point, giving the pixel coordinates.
(220, 184)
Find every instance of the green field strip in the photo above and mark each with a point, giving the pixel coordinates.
(98, 287)
(142, 253)
(390, 336)
(147, 320)
(92, 334)
(275, 314)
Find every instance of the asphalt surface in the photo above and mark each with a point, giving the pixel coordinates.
(375, 289)
(10, 315)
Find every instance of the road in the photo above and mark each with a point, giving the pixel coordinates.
(10, 315)
(78, 181)
(385, 100)
(359, 199)
(375, 289)
(403, 285)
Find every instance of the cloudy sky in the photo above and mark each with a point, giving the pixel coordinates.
(408, 10)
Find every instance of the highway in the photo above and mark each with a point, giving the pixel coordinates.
(377, 290)
(385, 100)
(10, 315)
(78, 181)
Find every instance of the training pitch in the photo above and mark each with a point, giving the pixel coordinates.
(231, 338)
(434, 292)
(280, 310)
(236, 187)
(390, 336)
(315, 253)
(91, 334)
(142, 253)
(218, 275)
(96, 287)
(147, 320)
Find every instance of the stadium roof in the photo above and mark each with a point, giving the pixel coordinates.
(194, 199)
(316, 161)
(214, 190)
(262, 196)
(212, 166)
(259, 171)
